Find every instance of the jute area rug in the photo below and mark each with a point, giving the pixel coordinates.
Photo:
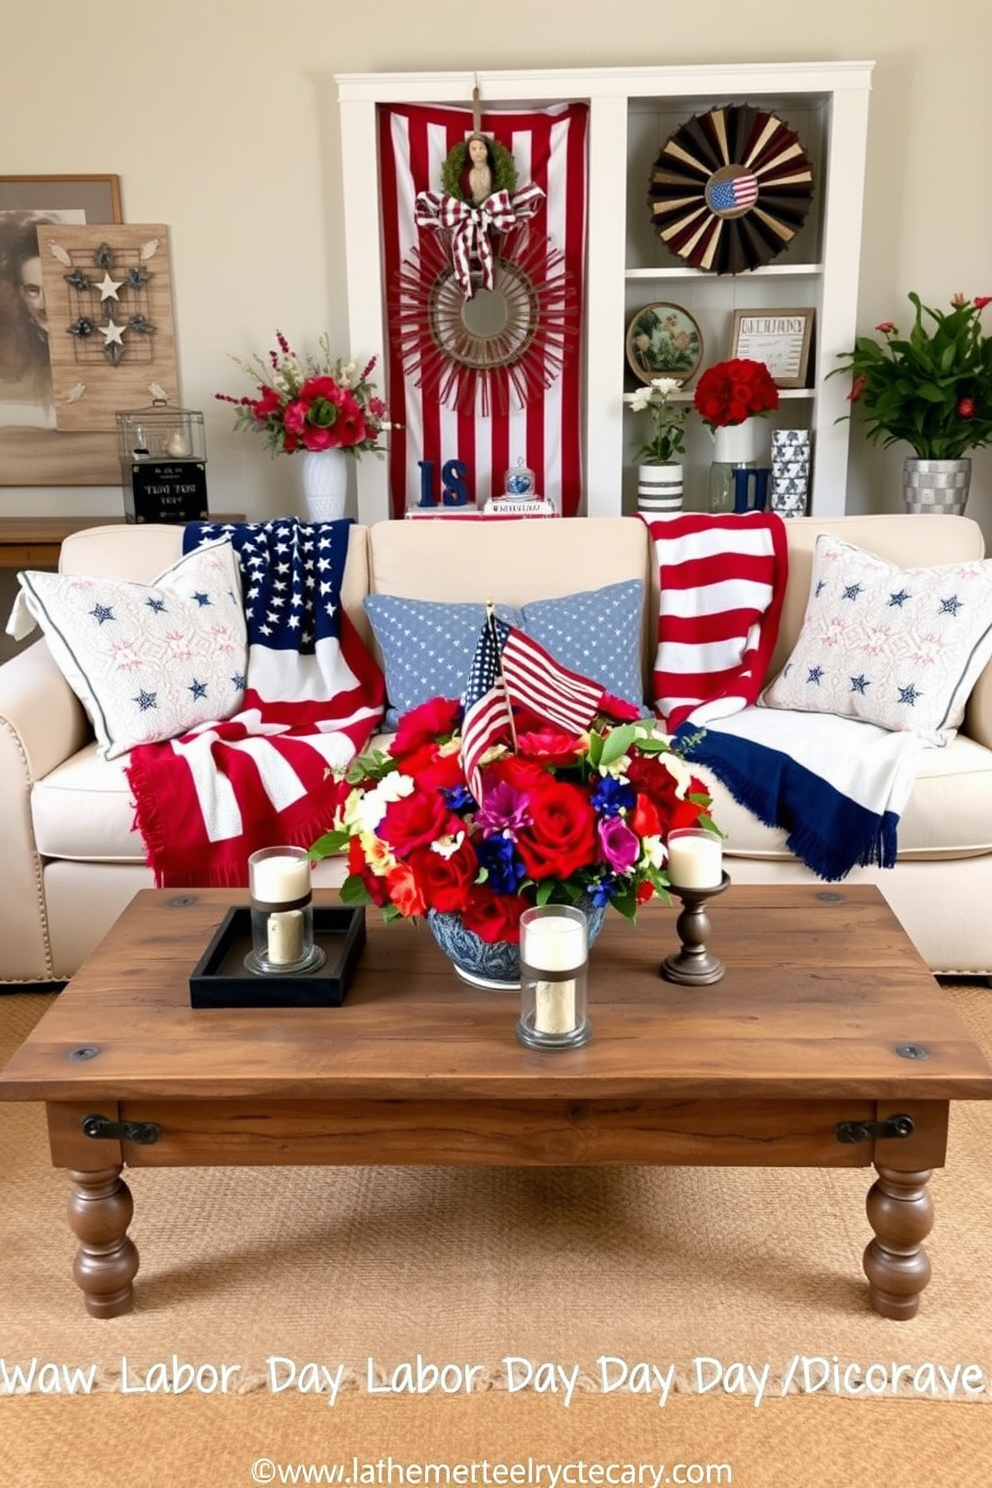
(711, 1323)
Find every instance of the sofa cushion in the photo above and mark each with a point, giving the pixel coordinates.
(84, 809)
(147, 661)
(427, 646)
(897, 647)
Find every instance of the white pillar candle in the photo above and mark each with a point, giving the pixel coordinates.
(554, 943)
(285, 936)
(554, 1006)
(280, 879)
(695, 860)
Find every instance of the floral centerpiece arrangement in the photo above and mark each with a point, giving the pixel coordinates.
(564, 818)
(667, 420)
(310, 402)
(932, 388)
(730, 392)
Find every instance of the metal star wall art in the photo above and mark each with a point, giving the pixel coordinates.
(109, 301)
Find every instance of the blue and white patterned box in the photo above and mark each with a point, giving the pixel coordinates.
(790, 471)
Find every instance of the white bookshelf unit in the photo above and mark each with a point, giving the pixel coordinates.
(632, 112)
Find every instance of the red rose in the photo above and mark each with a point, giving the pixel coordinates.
(434, 719)
(295, 416)
(966, 408)
(432, 770)
(492, 916)
(445, 881)
(561, 835)
(522, 774)
(644, 818)
(551, 746)
(416, 821)
(404, 891)
(981, 301)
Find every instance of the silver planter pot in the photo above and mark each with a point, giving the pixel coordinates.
(936, 486)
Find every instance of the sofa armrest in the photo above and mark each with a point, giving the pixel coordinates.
(978, 714)
(42, 723)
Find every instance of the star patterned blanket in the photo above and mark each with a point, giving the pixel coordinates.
(313, 696)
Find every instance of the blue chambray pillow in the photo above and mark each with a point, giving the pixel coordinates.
(427, 646)
(597, 633)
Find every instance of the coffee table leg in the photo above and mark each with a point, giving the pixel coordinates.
(900, 1211)
(100, 1209)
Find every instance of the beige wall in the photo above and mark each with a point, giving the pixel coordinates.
(219, 116)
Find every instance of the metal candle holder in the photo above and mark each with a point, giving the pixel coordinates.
(694, 966)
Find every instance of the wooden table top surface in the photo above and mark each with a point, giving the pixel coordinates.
(822, 988)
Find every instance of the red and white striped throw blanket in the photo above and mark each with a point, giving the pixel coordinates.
(722, 582)
(313, 696)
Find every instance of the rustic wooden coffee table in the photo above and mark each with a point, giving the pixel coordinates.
(827, 1044)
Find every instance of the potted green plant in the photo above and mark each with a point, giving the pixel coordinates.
(931, 389)
(659, 477)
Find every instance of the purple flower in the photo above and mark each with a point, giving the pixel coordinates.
(621, 847)
(503, 809)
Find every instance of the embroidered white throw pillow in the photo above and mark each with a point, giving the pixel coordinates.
(147, 661)
(898, 647)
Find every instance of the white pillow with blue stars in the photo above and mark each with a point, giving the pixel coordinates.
(428, 646)
(897, 647)
(147, 661)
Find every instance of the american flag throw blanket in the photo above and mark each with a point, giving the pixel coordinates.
(722, 582)
(313, 696)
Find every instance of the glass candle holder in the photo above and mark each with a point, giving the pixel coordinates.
(281, 912)
(554, 948)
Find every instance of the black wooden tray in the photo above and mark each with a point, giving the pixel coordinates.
(220, 980)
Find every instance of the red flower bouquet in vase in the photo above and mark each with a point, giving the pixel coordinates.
(730, 396)
(320, 408)
(546, 816)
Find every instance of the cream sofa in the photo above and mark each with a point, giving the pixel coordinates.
(71, 859)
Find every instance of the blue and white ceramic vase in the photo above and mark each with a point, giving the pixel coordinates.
(495, 964)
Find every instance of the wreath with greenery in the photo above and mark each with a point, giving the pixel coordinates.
(457, 162)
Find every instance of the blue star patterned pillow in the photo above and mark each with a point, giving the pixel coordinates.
(427, 646)
(897, 647)
(147, 661)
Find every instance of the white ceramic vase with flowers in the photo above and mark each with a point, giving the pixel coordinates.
(323, 409)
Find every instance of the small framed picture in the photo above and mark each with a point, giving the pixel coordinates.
(779, 338)
(664, 341)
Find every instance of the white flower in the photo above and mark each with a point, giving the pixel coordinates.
(665, 386)
(679, 771)
(447, 846)
(639, 400)
(655, 853)
(366, 812)
(618, 768)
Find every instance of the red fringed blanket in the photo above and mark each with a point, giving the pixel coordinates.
(313, 696)
(722, 581)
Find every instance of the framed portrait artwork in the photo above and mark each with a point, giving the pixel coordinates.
(779, 338)
(34, 451)
(663, 340)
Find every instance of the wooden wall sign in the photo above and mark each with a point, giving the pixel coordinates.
(108, 292)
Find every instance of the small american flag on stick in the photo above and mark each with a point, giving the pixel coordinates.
(509, 668)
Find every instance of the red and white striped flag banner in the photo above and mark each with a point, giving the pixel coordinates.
(432, 426)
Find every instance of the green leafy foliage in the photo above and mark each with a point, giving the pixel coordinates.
(931, 389)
